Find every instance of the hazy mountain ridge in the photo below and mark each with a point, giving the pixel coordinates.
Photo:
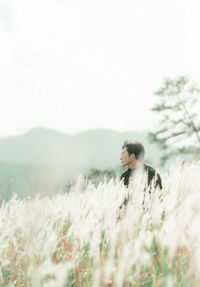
(40, 158)
(45, 147)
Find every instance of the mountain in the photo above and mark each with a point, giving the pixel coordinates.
(49, 156)
(99, 148)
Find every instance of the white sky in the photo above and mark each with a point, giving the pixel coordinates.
(72, 65)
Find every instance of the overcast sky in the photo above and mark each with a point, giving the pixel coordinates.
(72, 65)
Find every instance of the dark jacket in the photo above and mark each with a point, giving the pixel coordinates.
(151, 174)
(153, 181)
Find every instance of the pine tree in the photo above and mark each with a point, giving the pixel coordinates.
(178, 110)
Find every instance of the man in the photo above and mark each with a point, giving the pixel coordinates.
(133, 157)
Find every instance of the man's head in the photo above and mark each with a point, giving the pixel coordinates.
(132, 154)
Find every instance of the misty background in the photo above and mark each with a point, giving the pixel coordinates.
(78, 78)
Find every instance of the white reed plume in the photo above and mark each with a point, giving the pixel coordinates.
(90, 235)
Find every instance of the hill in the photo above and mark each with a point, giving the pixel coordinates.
(49, 156)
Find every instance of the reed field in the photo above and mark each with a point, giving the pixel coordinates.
(88, 238)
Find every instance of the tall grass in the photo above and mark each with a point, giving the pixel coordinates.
(87, 237)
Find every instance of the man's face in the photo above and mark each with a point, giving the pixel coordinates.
(125, 158)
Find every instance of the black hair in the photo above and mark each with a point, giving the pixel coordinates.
(135, 148)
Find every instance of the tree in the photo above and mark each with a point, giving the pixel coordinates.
(100, 175)
(178, 117)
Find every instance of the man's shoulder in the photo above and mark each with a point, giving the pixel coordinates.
(152, 173)
(149, 169)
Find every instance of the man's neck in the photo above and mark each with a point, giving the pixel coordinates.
(135, 164)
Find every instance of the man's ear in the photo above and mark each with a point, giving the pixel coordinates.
(133, 156)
